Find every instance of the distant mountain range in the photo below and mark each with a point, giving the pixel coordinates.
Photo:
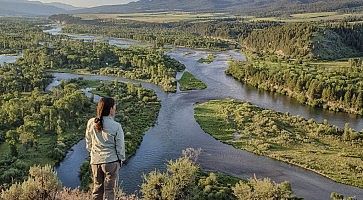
(247, 7)
(269, 7)
(32, 8)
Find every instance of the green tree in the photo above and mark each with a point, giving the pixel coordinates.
(12, 138)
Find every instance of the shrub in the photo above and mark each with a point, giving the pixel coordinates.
(262, 189)
(42, 183)
(176, 183)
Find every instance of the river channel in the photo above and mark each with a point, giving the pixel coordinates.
(176, 129)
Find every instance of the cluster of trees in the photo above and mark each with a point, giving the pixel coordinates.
(351, 34)
(76, 54)
(230, 28)
(39, 127)
(303, 40)
(147, 64)
(62, 53)
(28, 72)
(135, 63)
(285, 40)
(18, 34)
(321, 147)
(212, 34)
(333, 88)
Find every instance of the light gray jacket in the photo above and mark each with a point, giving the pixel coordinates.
(108, 145)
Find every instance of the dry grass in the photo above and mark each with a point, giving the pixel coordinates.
(157, 17)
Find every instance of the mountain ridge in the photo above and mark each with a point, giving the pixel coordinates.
(32, 8)
(267, 7)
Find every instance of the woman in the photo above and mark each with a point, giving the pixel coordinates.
(105, 142)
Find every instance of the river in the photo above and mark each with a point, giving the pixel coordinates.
(176, 129)
(7, 59)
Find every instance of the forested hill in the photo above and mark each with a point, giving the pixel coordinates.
(260, 7)
(313, 41)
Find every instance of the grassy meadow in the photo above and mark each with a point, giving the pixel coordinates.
(319, 147)
(189, 82)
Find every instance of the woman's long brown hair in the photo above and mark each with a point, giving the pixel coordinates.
(103, 109)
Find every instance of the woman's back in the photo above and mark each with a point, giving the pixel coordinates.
(106, 144)
(102, 145)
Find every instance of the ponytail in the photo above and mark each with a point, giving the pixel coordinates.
(103, 109)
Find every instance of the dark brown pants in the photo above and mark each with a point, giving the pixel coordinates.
(105, 181)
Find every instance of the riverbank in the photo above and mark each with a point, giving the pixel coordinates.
(319, 147)
(335, 85)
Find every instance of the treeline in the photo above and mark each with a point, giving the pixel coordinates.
(155, 36)
(333, 88)
(321, 147)
(230, 28)
(308, 41)
(213, 34)
(285, 8)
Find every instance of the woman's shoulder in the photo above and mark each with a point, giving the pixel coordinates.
(115, 124)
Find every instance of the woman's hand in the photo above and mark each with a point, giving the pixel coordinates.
(124, 162)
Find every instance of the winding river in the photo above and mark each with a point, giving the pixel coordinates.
(176, 129)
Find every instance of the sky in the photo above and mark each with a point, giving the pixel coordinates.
(89, 3)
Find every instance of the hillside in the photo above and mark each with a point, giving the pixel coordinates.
(259, 7)
(311, 41)
(32, 8)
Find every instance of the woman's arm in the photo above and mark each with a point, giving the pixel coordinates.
(120, 144)
(88, 135)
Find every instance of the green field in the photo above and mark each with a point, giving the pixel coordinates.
(189, 82)
(316, 146)
(158, 17)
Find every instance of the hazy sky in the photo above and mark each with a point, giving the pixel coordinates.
(89, 3)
